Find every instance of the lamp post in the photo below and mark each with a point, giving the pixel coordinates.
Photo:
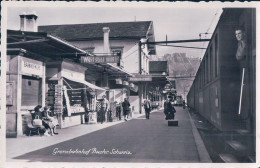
(184, 91)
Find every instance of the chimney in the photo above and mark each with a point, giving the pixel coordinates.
(106, 40)
(29, 22)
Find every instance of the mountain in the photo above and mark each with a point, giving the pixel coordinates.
(180, 66)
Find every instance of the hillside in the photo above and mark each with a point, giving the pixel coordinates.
(180, 65)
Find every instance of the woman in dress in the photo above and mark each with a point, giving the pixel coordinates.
(38, 115)
(51, 121)
(46, 122)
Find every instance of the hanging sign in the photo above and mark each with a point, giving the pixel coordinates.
(119, 81)
(125, 83)
(137, 79)
(100, 59)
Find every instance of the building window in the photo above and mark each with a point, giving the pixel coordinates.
(118, 51)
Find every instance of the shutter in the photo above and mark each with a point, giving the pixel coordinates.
(31, 91)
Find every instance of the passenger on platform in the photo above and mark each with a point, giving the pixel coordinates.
(147, 108)
(126, 108)
(38, 115)
(169, 109)
(183, 104)
(118, 110)
(104, 108)
(165, 106)
(51, 121)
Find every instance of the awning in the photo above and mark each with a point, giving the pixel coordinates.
(43, 44)
(92, 86)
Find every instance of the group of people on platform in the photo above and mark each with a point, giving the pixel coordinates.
(122, 107)
(169, 109)
(105, 109)
(43, 119)
(47, 123)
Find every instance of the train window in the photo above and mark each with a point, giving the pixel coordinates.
(204, 73)
(199, 80)
(208, 68)
(216, 55)
(201, 75)
(211, 63)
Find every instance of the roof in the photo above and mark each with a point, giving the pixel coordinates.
(136, 29)
(158, 66)
(42, 44)
(52, 47)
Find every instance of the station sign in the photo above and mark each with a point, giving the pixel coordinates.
(100, 59)
(139, 79)
(33, 67)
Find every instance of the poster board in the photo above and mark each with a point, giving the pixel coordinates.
(92, 117)
(9, 93)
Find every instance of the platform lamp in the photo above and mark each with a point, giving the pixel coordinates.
(164, 74)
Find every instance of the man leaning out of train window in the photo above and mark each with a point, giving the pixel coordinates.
(241, 53)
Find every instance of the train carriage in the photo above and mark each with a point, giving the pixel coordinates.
(215, 92)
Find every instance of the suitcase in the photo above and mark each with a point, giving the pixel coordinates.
(173, 123)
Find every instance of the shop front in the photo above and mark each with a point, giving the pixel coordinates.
(25, 89)
(70, 96)
(29, 83)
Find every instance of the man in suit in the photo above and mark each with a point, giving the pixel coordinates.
(104, 108)
(126, 108)
(147, 107)
(169, 109)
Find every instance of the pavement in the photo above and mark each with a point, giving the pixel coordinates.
(137, 140)
(38, 142)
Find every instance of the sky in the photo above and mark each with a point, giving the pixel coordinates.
(178, 23)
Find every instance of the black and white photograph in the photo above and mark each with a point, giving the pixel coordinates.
(129, 84)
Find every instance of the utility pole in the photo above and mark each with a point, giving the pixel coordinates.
(140, 56)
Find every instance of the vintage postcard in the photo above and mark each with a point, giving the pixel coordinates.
(129, 84)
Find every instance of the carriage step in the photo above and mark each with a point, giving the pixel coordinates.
(173, 123)
(242, 131)
(202, 125)
(238, 148)
(251, 158)
(228, 158)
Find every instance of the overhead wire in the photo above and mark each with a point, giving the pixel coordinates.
(180, 46)
(212, 20)
(130, 54)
